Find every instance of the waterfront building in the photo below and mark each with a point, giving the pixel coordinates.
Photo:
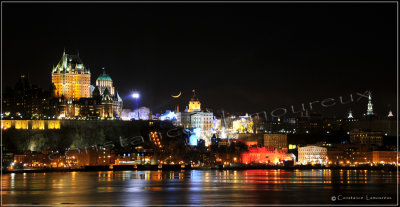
(275, 141)
(363, 137)
(384, 157)
(71, 78)
(343, 154)
(312, 154)
(263, 155)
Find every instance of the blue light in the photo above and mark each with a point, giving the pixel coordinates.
(193, 140)
(194, 136)
(169, 115)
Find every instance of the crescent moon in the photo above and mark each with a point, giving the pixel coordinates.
(177, 96)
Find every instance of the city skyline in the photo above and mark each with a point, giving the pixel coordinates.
(199, 103)
(176, 54)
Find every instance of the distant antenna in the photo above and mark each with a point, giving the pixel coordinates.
(223, 118)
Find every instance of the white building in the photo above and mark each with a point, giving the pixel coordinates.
(142, 113)
(313, 154)
(193, 117)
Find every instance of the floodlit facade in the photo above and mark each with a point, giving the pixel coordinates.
(384, 156)
(77, 98)
(104, 81)
(275, 140)
(361, 137)
(312, 154)
(71, 78)
(30, 124)
(194, 117)
(243, 124)
(194, 103)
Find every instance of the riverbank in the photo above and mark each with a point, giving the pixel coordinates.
(178, 167)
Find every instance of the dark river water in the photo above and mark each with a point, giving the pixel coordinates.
(195, 187)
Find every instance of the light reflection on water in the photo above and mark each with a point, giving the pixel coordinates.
(229, 187)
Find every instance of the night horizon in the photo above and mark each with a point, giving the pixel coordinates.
(199, 103)
(268, 54)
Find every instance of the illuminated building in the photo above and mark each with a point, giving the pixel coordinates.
(251, 139)
(384, 156)
(349, 153)
(104, 81)
(28, 101)
(243, 124)
(275, 140)
(194, 103)
(71, 78)
(361, 137)
(265, 155)
(312, 154)
(77, 98)
(142, 113)
(370, 110)
(30, 124)
(194, 117)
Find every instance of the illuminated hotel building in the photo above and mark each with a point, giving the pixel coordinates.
(313, 154)
(71, 78)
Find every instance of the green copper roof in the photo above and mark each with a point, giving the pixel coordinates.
(104, 76)
(70, 62)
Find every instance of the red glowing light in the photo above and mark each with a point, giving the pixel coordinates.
(263, 155)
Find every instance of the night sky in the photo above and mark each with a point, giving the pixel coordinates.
(240, 57)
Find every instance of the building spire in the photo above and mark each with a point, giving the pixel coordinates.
(350, 116)
(370, 109)
(64, 51)
(390, 113)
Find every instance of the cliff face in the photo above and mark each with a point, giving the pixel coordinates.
(78, 134)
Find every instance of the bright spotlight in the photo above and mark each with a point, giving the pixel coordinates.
(135, 95)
